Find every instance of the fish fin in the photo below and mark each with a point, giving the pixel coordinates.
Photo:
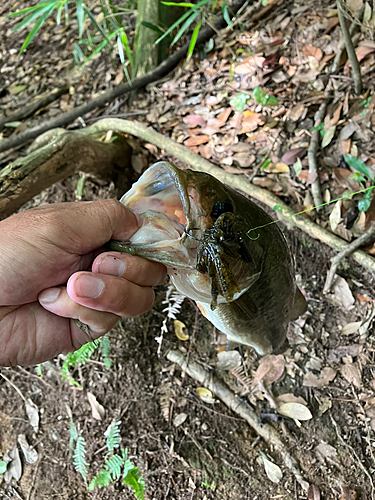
(243, 309)
(299, 306)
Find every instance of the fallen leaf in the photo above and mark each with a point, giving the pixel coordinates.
(313, 492)
(363, 51)
(296, 112)
(179, 419)
(332, 23)
(354, 5)
(297, 411)
(342, 294)
(290, 157)
(228, 360)
(14, 469)
(197, 140)
(367, 13)
(328, 136)
(335, 216)
(97, 409)
(351, 328)
(342, 351)
(195, 121)
(344, 146)
(326, 376)
(32, 412)
(347, 131)
(273, 471)
(351, 373)
(179, 327)
(279, 168)
(310, 51)
(336, 115)
(205, 395)
(30, 453)
(244, 159)
(270, 369)
(326, 450)
(290, 398)
(251, 122)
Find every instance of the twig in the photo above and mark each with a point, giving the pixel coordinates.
(33, 108)
(239, 406)
(235, 181)
(311, 155)
(13, 385)
(344, 253)
(165, 67)
(356, 70)
(357, 459)
(352, 29)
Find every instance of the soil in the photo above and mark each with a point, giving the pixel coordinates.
(212, 454)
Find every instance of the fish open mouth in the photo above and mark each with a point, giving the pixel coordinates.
(161, 196)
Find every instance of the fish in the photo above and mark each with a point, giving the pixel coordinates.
(243, 283)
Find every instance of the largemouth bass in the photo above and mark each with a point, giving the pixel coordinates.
(197, 227)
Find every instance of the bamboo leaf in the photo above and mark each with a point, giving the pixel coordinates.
(193, 40)
(80, 18)
(185, 27)
(33, 16)
(36, 28)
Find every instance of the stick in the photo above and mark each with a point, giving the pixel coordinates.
(344, 253)
(241, 408)
(33, 108)
(356, 70)
(164, 68)
(311, 155)
(235, 181)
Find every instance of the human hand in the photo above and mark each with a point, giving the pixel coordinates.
(46, 281)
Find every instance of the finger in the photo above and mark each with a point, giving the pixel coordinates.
(57, 301)
(135, 269)
(109, 293)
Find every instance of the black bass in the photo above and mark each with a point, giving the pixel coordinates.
(197, 227)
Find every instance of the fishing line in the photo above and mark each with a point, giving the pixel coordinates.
(303, 211)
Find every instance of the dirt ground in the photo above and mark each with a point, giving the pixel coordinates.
(187, 447)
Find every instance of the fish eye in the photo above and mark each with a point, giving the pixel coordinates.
(221, 207)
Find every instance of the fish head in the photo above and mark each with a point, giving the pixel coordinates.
(191, 224)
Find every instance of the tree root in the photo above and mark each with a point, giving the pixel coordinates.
(241, 408)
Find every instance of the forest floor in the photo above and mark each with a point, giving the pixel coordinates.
(187, 446)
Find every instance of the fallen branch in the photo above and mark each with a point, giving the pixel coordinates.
(237, 182)
(241, 408)
(311, 155)
(164, 68)
(356, 70)
(23, 113)
(344, 253)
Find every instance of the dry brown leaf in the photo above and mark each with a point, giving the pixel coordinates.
(290, 398)
(310, 51)
(179, 419)
(279, 168)
(249, 65)
(296, 112)
(197, 140)
(251, 122)
(205, 151)
(335, 216)
(354, 5)
(313, 492)
(326, 376)
(296, 411)
(290, 157)
(244, 159)
(179, 328)
(332, 23)
(344, 146)
(336, 116)
(195, 121)
(351, 373)
(342, 294)
(270, 369)
(363, 51)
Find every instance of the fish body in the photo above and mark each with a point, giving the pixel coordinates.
(198, 227)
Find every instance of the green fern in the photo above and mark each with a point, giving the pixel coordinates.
(132, 478)
(79, 461)
(77, 358)
(103, 478)
(105, 349)
(113, 436)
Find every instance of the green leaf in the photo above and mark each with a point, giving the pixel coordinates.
(181, 19)
(261, 97)
(35, 15)
(98, 27)
(78, 54)
(239, 101)
(58, 17)
(358, 165)
(3, 467)
(132, 478)
(365, 202)
(80, 17)
(152, 27)
(265, 164)
(193, 40)
(79, 461)
(28, 9)
(113, 436)
(185, 27)
(36, 28)
(226, 17)
(179, 4)
(103, 478)
(73, 434)
(105, 348)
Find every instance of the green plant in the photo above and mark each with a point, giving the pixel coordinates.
(363, 174)
(83, 355)
(3, 466)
